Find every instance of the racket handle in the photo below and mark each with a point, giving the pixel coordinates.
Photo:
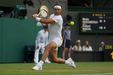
(36, 15)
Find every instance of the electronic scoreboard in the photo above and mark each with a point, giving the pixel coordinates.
(99, 23)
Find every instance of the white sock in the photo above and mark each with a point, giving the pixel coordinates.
(66, 62)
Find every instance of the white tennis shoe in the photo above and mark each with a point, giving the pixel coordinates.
(37, 67)
(70, 62)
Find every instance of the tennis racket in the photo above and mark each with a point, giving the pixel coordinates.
(42, 12)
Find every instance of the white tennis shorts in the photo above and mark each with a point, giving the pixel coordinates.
(58, 42)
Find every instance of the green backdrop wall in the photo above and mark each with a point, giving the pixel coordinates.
(14, 35)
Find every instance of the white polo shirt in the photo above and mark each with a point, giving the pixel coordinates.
(56, 29)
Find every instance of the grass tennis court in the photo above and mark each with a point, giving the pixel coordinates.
(83, 68)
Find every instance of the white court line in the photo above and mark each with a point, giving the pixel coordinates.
(95, 74)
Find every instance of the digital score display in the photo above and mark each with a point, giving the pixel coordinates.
(99, 23)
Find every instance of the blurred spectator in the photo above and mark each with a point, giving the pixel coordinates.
(28, 2)
(40, 43)
(77, 46)
(101, 46)
(87, 46)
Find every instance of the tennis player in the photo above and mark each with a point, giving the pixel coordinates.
(54, 23)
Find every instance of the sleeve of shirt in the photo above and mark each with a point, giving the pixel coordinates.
(56, 19)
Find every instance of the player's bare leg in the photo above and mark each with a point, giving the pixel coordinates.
(50, 48)
(69, 61)
(55, 58)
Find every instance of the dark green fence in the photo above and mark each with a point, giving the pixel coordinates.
(15, 34)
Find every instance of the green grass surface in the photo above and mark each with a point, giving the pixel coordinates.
(83, 68)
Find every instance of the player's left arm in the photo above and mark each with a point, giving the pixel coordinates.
(47, 21)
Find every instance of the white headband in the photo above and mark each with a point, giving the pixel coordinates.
(57, 7)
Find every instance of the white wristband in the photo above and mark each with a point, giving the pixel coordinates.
(38, 19)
